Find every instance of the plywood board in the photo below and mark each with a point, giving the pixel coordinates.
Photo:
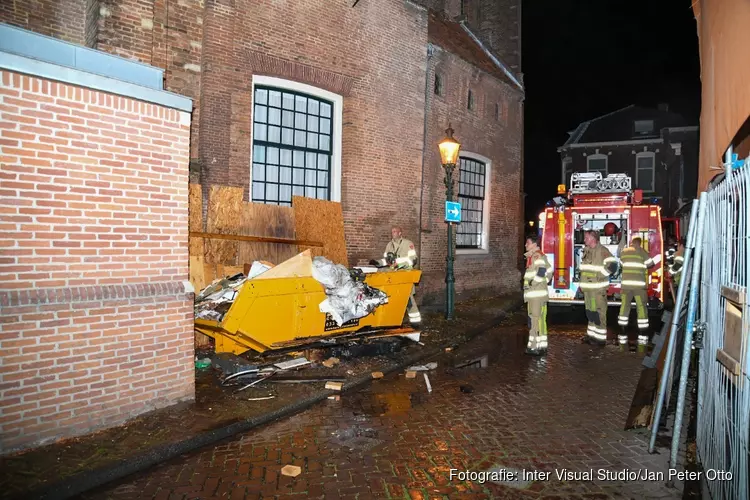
(299, 265)
(321, 220)
(195, 208)
(642, 406)
(259, 219)
(213, 272)
(224, 214)
(196, 245)
(195, 216)
(197, 273)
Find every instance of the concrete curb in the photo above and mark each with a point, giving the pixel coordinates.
(89, 480)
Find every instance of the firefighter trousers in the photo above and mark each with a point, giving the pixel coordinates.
(537, 310)
(414, 315)
(596, 313)
(640, 308)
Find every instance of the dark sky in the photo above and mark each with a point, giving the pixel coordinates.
(585, 58)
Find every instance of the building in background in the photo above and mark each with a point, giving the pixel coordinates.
(655, 147)
(341, 100)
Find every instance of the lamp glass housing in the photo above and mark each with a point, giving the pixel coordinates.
(449, 148)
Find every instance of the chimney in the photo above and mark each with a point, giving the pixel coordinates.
(663, 106)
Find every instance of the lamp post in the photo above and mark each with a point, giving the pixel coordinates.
(449, 148)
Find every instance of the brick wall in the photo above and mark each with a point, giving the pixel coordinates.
(91, 28)
(497, 138)
(95, 326)
(498, 24)
(64, 19)
(212, 48)
(382, 85)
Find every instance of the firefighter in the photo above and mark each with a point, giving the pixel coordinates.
(597, 265)
(669, 257)
(635, 265)
(535, 294)
(400, 254)
(675, 266)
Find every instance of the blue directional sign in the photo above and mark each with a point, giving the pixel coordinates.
(452, 211)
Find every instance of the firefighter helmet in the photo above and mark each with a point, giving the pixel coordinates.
(610, 228)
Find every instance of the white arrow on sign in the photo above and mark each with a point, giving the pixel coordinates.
(453, 211)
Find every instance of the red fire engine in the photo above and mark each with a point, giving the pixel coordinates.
(610, 206)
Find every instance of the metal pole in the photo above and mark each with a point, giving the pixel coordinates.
(728, 162)
(687, 346)
(726, 271)
(449, 279)
(681, 292)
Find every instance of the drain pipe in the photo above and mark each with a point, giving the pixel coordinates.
(430, 52)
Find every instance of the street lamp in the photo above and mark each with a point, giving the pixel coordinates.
(449, 148)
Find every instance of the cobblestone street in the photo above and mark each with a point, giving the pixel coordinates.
(397, 440)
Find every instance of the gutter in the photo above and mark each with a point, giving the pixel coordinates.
(427, 101)
(497, 61)
(634, 142)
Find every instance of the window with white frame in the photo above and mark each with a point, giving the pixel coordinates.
(567, 171)
(645, 171)
(473, 194)
(597, 163)
(296, 139)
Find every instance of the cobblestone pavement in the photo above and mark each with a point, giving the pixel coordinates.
(396, 440)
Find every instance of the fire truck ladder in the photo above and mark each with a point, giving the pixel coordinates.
(594, 183)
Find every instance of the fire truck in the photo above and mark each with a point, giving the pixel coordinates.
(618, 213)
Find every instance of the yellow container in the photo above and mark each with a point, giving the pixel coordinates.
(277, 310)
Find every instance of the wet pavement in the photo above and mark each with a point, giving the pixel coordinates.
(561, 413)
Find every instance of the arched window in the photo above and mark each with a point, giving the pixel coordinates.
(296, 142)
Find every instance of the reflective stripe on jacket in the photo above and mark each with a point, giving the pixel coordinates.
(403, 249)
(635, 265)
(534, 285)
(597, 264)
(676, 266)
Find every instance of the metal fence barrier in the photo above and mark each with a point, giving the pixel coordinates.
(723, 409)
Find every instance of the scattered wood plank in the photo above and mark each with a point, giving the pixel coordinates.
(331, 362)
(298, 266)
(291, 379)
(642, 406)
(335, 386)
(258, 239)
(291, 471)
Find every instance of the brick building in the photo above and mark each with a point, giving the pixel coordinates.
(96, 322)
(373, 116)
(332, 99)
(654, 146)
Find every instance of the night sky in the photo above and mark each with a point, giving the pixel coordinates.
(585, 58)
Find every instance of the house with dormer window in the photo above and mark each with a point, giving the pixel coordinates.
(657, 148)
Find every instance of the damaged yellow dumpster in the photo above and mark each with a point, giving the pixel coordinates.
(270, 311)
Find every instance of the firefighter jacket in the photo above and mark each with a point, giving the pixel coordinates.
(675, 267)
(537, 275)
(404, 252)
(597, 264)
(635, 265)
